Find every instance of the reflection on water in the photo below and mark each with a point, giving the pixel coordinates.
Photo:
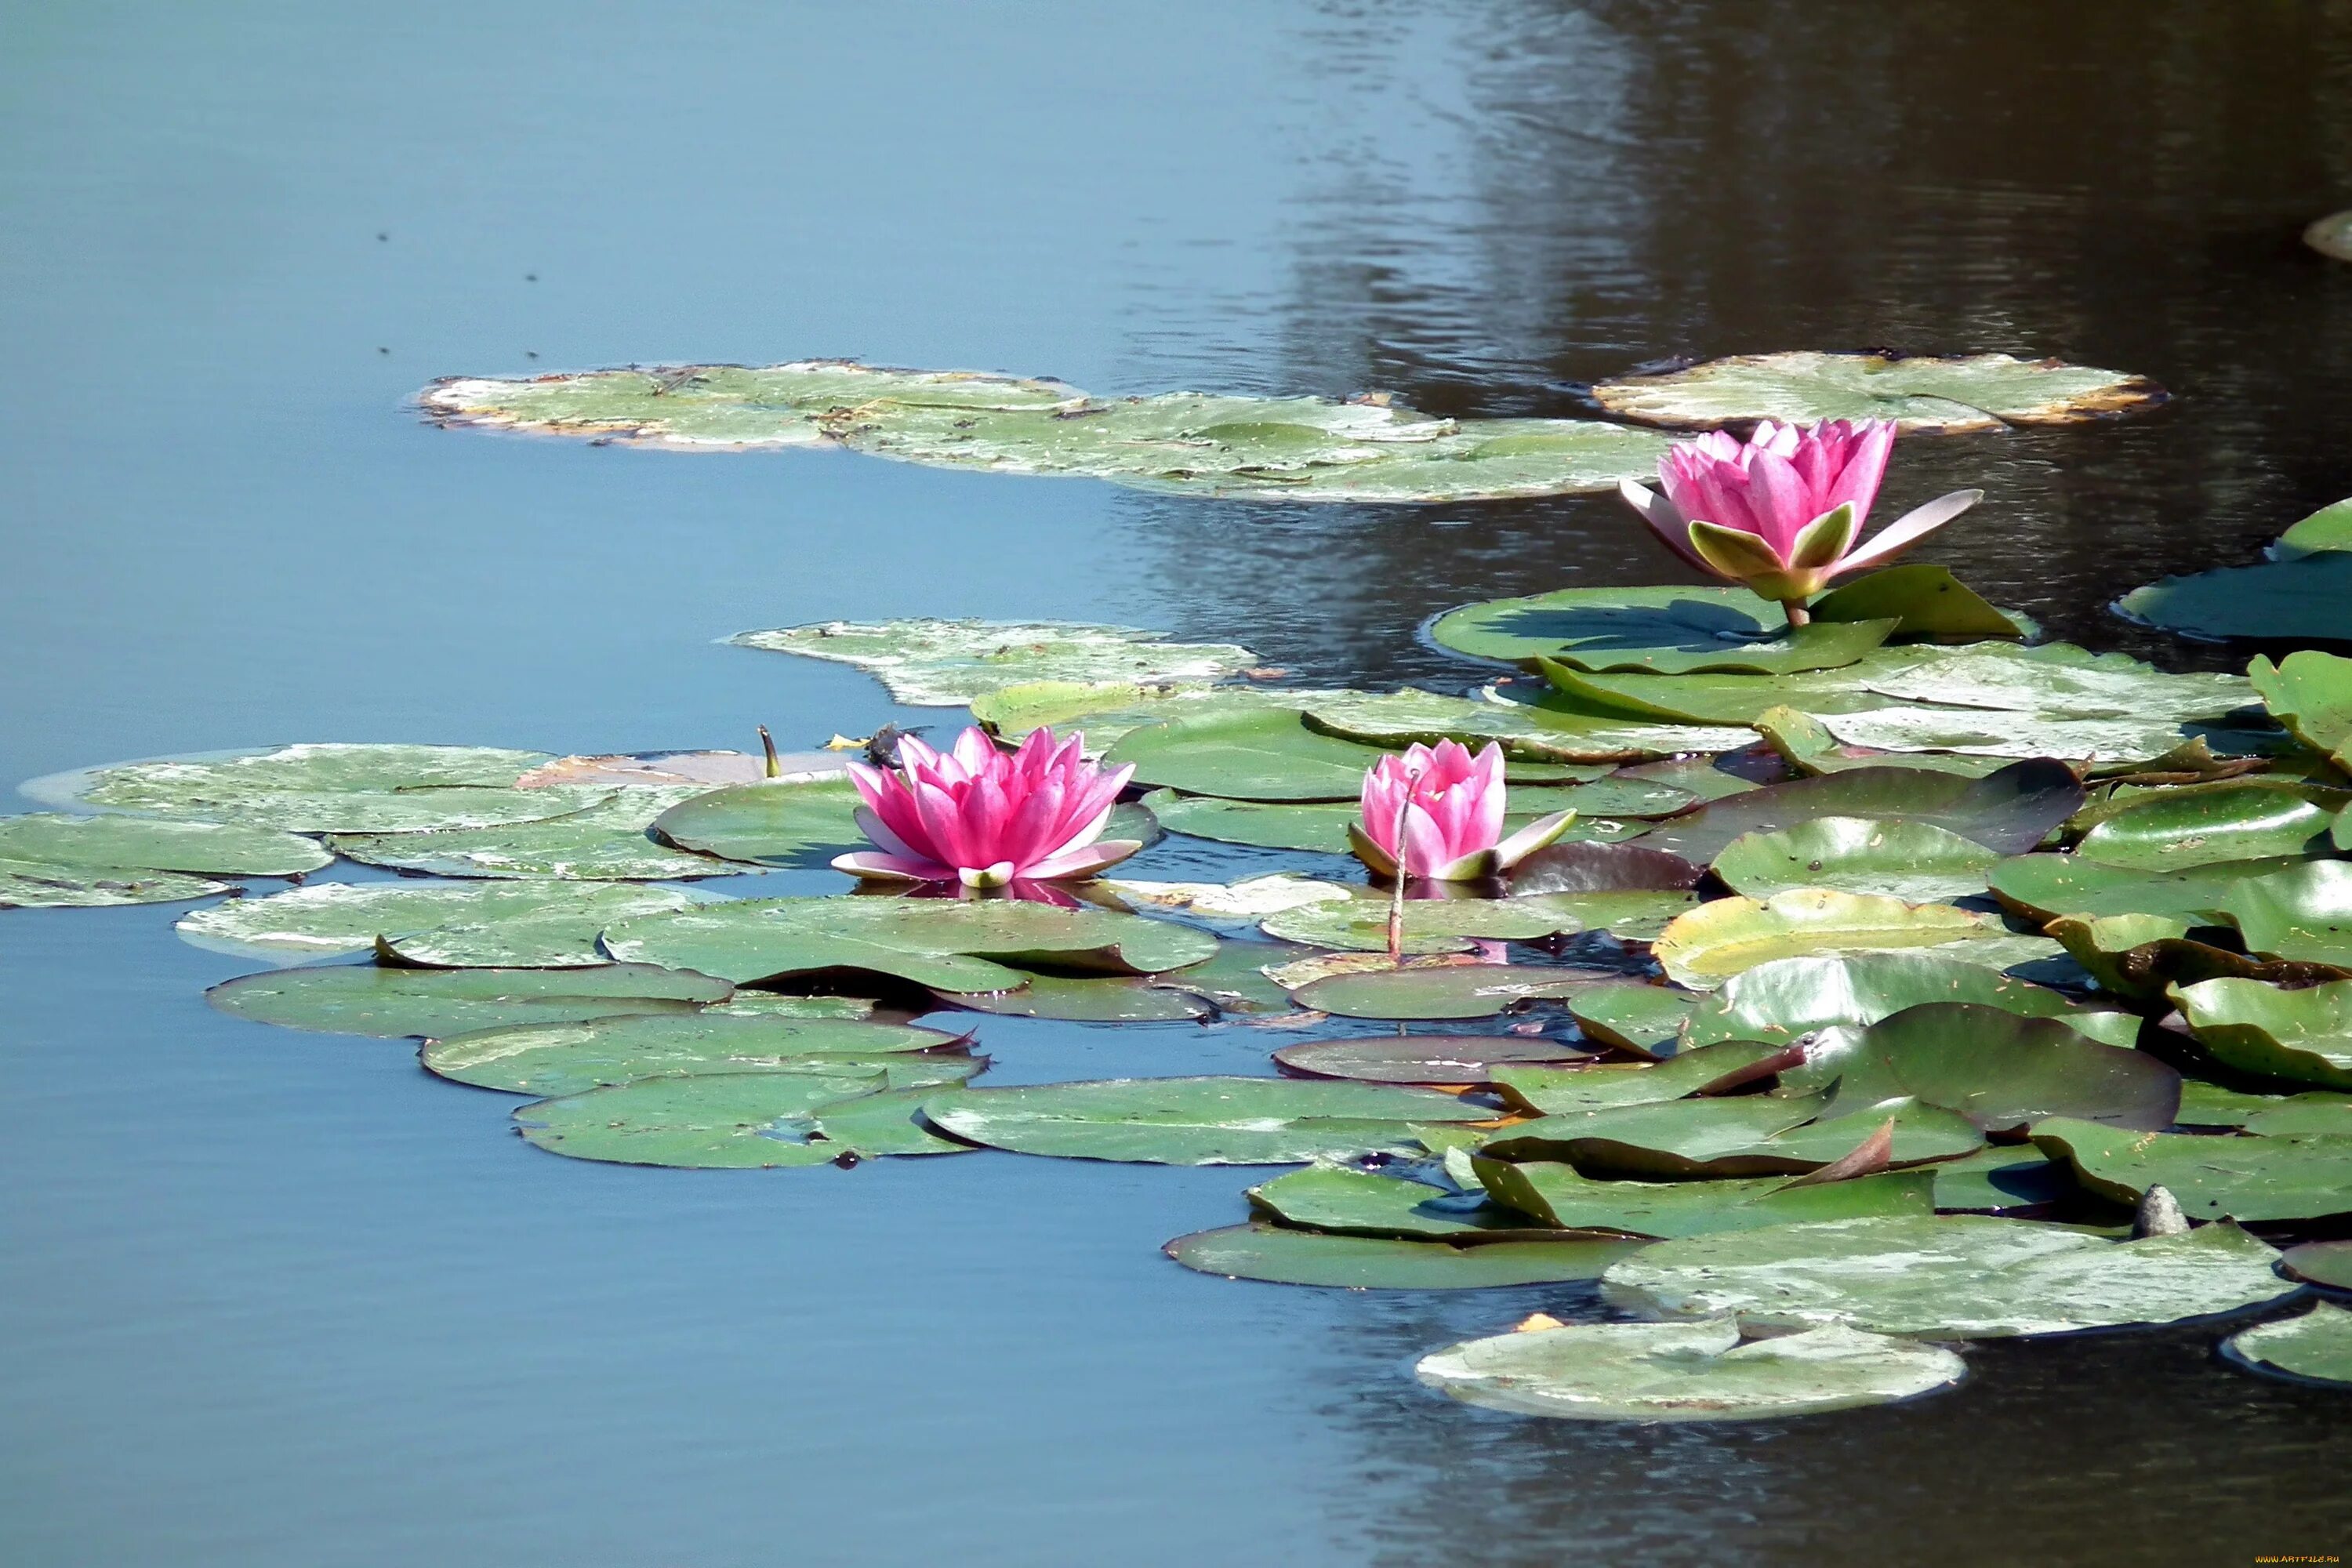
(280, 1298)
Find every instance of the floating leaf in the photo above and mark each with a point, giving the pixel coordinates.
(1525, 732)
(1999, 732)
(1356, 1202)
(1468, 1060)
(707, 1121)
(1253, 757)
(524, 924)
(1746, 1135)
(1322, 826)
(2299, 599)
(1944, 394)
(604, 843)
(2303, 1036)
(1779, 1001)
(1949, 1277)
(2327, 1263)
(1198, 1120)
(1715, 941)
(1561, 1092)
(1645, 1019)
(137, 844)
(2045, 886)
(1453, 990)
(553, 1059)
(2316, 1345)
(1280, 1255)
(2214, 1176)
(2010, 811)
(1252, 899)
(946, 663)
(1912, 860)
(2303, 914)
(1095, 999)
(1808, 746)
(392, 1003)
(1558, 1195)
(1235, 980)
(1484, 459)
(323, 788)
(2168, 830)
(944, 943)
(2136, 956)
(1924, 601)
(1685, 1372)
(1430, 925)
(669, 770)
(2311, 694)
(1668, 630)
(2001, 1072)
(2000, 1178)
(2329, 528)
(802, 822)
(46, 884)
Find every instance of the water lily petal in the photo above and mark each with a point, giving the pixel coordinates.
(1540, 834)
(1911, 528)
(1086, 861)
(875, 867)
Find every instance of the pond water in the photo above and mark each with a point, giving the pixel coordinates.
(275, 1297)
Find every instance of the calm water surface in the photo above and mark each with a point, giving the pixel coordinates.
(280, 1298)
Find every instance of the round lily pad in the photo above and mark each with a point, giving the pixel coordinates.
(783, 821)
(1630, 1016)
(551, 1060)
(1912, 860)
(1685, 1372)
(1452, 991)
(1245, 901)
(2327, 1263)
(1198, 1120)
(2000, 1178)
(1430, 925)
(2168, 830)
(1792, 997)
(1949, 1277)
(2010, 811)
(321, 788)
(1716, 942)
(707, 1121)
(393, 1002)
(2329, 528)
(1470, 1060)
(50, 884)
(1484, 459)
(2316, 1346)
(1342, 1202)
(2300, 599)
(1280, 1255)
(949, 944)
(1525, 731)
(2305, 1035)
(2301, 914)
(138, 844)
(947, 663)
(1564, 1090)
(1668, 630)
(2213, 1176)
(2045, 886)
(1235, 980)
(521, 924)
(2311, 693)
(1741, 1135)
(1944, 394)
(1086, 999)
(1322, 826)
(1559, 1195)
(604, 843)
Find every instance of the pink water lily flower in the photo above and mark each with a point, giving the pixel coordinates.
(1782, 512)
(985, 817)
(1452, 805)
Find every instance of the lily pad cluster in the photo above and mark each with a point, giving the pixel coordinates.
(1369, 448)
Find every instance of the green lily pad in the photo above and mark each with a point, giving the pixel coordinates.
(2302, 1035)
(2316, 1346)
(2136, 957)
(2045, 886)
(1667, 630)
(2303, 914)
(1685, 1372)
(1090, 999)
(705, 1121)
(1235, 980)
(1717, 941)
(1645, 1019)
(2300, 599)
(1254, 756)
(2009, 811)
(2064, 682)
(944, 943)
(2311, 694)
(947, 663)
(1322, 826)
(1743, 1135)
(117, 843)
(393, 1002)
(1944, 394)
(1484, 459)
(604, 843)
(49, 885)
(1355, 1202)
(1453, 990)
(1925, 601)
(1949, 1277)
(2167, 829)
(1912, 860)
(1430, 925)
(1107, 713)
(1779, 1001)
(2214, 1176)
(1999, 1178)
(1713, 699)
(506, 925)
(571, 1058)
(1467, 1060)
(2001, 1072)
(1996, 733)
(1525, 731)
(1807, 745)
(323, 788)
(1569, 1090)
(1198, 1120)
(1281, 1255)
(2327, 1263)
(871, 1126)
(1559, 1195)
(1239, 904)
(2329, 528)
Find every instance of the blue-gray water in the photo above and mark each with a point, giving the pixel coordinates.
(280, 1298)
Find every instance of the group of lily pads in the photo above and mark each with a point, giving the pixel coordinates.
(1901, 980)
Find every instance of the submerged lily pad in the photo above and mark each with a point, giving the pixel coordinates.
(2316, 1345)
(1454, 991)
(1949, 1277)
(947, 663)
(1946, 393)
(49, 885)
(1669, 630)
(2301, 599)
(1198, 1120)
(520, 925)
(2303, 1036)
(321, 788)
(571, 1058)
(2214, 1176)
(1559, 1195)
(1779, 1001)
(1468, 1060)
(1913, 860)
(119, 842)
(1280, 1255)
(2009, 811)
(604, 843)
(1716, 942)
(1525, 732)
(945, 944)
(393, 1002)
(1685, 1372)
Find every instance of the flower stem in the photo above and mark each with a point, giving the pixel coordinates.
(775, 767)
(1798, 615)
(1396, 894)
